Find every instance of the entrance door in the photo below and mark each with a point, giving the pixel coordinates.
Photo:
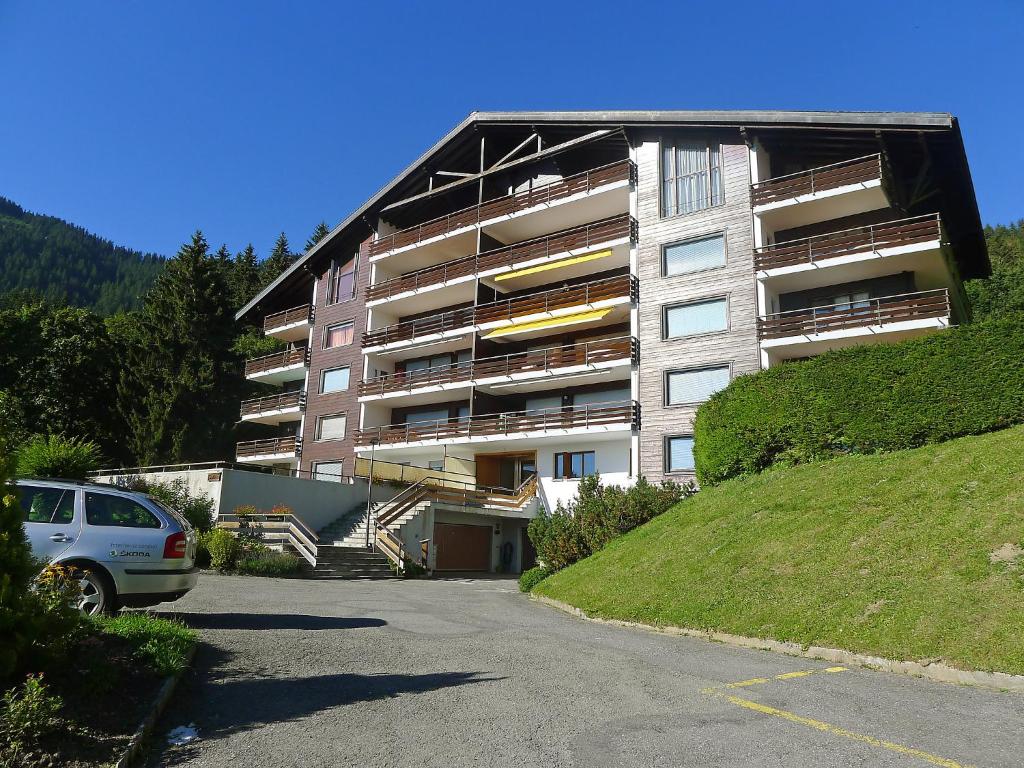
(462, 547)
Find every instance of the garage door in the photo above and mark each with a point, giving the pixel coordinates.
(462, 547)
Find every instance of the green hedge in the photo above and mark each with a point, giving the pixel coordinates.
(963, 381)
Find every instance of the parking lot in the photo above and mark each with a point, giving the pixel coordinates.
(468, 672)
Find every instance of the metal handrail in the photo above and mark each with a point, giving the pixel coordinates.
(269, 446)
(819, 168)
(288, 316)
(256, 405)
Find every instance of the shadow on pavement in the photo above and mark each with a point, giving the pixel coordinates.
(250, 702)
(258, 621)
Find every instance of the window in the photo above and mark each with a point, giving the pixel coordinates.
(329, 470)
(693, 256)
(691, 177)
(334, 380)
(436, 466)
(117, 511)
(679, 454)
(694, 386)
(47, 505)
(331, 427)
(342, 285)
(845, 302)
(697, 317)
(574, 465)
(338, 335)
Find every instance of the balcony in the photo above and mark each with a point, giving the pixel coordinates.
(279, 367)
(588, 196)
(275, 450)
(821, 194)
(908, 245)
(583, 362)
(805, 332)
(274, 409)
(560, 251)
(555, 423)
(290, 325)
(533, 314)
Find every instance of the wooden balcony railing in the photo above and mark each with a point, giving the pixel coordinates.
(584, 353)
(303, 314)
(541, 420)
(506, 309)
(620, 170)
(888, 309)
(808, 250)
(856, 171)
(284, 359)
(279, 402)
(274, 446)
(581, 237)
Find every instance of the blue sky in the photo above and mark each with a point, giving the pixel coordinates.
(144, 121)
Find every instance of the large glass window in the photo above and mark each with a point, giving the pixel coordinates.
(117, 511)
(696, 317)
(342, 281)
(694, 255)
(691, 177)
(338, 335)
(331, 427)
(679, 454)
(334, 380)
(575, 465)
(695, 385)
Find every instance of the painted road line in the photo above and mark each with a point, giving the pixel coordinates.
(835, 730)
(783, 677)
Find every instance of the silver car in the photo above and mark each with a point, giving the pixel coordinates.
(129, 549)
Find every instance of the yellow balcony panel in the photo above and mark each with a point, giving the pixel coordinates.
(551, 322)
(555, 265)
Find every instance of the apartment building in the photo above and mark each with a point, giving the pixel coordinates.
(542, 296)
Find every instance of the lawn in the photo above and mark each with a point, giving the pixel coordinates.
(912, 555)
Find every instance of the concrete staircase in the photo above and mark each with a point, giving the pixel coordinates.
(351, 563)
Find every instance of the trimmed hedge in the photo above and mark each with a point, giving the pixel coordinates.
(963, 381)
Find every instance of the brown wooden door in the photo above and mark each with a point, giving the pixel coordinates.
(462, 547)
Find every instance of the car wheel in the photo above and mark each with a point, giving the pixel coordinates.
(97, 593)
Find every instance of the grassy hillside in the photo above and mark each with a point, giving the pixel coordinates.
(910, 555)
(51, 257)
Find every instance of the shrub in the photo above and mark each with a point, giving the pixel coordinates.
(224, 549)
(203, 549)
(531, 578)
(269, 564)
(597, 515)
(16, 569)
(884, 397)
(71, 458)
(196, 508)
(26, 716)
(250, 532)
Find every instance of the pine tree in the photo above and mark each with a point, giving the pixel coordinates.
(181, 383)
(246, 280)
(278, 261)
(319, 234)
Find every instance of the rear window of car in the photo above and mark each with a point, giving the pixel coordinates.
(172, 513)
(117, 511)
(47, 505)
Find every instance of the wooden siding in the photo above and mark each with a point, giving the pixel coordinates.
(736, 346)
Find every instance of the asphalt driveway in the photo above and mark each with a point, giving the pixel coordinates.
(471, 673)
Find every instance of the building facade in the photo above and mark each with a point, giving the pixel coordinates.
(543, 296)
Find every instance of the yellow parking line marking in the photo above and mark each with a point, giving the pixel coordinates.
(842, 732)
(745, 683)
(784, 676)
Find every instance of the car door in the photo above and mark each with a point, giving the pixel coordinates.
(52, 518)
(120, 530)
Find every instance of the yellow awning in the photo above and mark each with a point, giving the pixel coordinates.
(555, 265)
(551, 322)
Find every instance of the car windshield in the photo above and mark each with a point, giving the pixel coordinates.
(172, 513)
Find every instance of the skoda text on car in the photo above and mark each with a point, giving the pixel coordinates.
(127, 548)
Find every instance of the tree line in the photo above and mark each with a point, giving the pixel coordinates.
(160, 383)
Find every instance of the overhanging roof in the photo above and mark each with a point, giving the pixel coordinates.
(752, 119)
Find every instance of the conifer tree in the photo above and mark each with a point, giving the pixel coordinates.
(245, 281)
(181, 382)
(278, 261)
(319, 234)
